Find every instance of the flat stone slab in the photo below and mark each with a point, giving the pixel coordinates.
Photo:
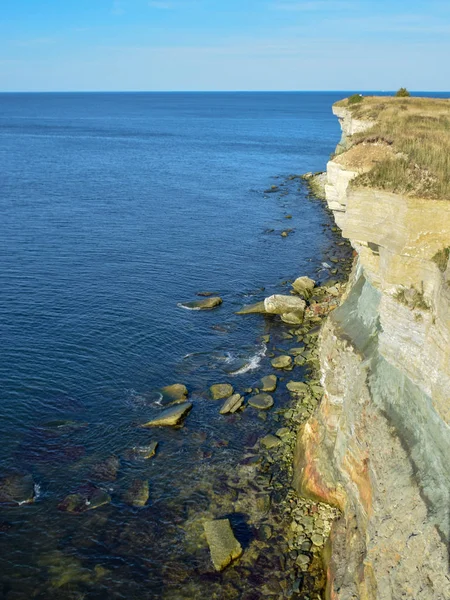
(232, 404)
(221, 390)
(223, 546)
(282, 362)
(261, 401)
(268, 383)
(206, 304)
(171, 416)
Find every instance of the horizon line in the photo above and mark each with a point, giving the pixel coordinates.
(311, 91)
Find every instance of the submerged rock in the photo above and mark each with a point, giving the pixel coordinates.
(106, 470)
(277, 304)
(250, 309)
(170, 417)
(268, 383)
(304, 286)
(221, 390)
(86, 497)
(232, 404)
(175, 392)
(223, 546)
(206, 304)
(141, 452)
(261, 401)
(138, 493)
(17, 489)
(282, 362)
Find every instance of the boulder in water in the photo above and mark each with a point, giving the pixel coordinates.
(292, 318)
(268, 383)
(141, 452)
(282, 362)
(86, 497)
(270, 441)
(261, 401)
(297, 387)
(106, 470)
(232, 404)
(206, 304)
(223, 546)
(221, 390)
(171, 416)
(16, 489)
(177, 392)
(279, 304)
(137, 494)
(303, 286)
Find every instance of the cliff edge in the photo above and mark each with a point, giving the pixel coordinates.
(378, 446)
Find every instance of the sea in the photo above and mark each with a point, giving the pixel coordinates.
(116, 209)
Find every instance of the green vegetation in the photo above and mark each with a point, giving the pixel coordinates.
(412, 298)
(441, 258)
(416, 135)
(355, 99)
(402, 93)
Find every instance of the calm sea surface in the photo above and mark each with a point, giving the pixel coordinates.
(115, 208)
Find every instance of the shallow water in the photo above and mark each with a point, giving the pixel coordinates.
(115, 209)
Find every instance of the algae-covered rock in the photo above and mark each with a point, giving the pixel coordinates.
(292, 318)
(223, 546)
(232, 404)
(206, 304)
(221, 390)
(138, 493)
(16, 489)
(303, 286)
(282, 362)
(270, 441)
(175, 392)
(279, 304)
(250, 309)
(268, 383)
(171, 416)
(261, 401)
(297, 387)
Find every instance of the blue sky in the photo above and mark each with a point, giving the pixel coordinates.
(224, 45)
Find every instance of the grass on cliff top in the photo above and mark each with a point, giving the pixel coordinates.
(416, 134)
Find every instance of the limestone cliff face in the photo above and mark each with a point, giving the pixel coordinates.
(379, 445)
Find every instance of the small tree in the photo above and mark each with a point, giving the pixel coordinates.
(402, 93)
(355, 99)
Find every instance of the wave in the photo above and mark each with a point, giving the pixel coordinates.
(253, 362)
(181, 305)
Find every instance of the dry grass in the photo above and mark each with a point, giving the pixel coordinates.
(417, 130)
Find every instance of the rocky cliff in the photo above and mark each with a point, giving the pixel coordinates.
(378, 447)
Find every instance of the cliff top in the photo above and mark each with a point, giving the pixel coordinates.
(412, 141)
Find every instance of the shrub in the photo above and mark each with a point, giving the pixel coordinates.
(355, 99)
(441, 258)
(402, 93)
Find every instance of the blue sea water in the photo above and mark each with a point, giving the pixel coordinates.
(116, 208)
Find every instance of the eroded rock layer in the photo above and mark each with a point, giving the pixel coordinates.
(378, 447)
